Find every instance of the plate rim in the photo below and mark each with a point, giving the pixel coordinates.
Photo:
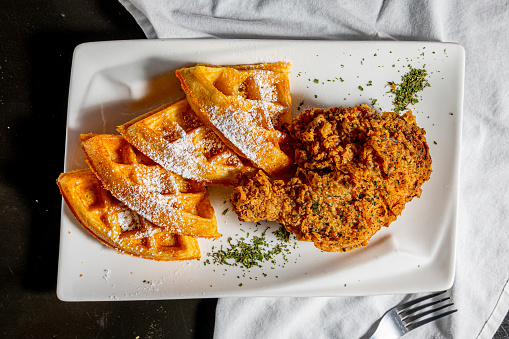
(85, 47)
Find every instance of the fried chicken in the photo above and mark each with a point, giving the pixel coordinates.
(356, 170)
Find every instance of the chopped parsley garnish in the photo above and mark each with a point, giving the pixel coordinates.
(248, 253)
(406, 93)
(282, 234)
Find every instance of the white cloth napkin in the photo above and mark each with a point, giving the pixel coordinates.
(480, 292)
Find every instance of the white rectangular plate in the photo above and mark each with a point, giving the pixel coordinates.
(112, 82)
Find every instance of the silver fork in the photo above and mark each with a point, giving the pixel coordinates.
(404, 318)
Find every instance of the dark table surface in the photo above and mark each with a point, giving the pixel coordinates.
(37, 39)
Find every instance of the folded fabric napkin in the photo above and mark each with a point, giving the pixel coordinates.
(480, 291)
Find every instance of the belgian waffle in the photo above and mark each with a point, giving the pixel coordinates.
(116, 225)
(175, 138)
(246, 106)
(166, 199)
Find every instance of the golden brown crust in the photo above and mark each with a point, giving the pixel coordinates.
(357, 170)
(117, 226)
(166, 199)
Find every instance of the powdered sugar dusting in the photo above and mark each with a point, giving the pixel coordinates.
(149, 190)
(247, 120)
(147, 232)
(188, 155)
(266, 90)
(106, 275)
(159, 208)
(240, 128)
(128, 220)
(155, 183)
(176, 131)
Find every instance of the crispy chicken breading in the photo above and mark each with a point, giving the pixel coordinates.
(356, 170)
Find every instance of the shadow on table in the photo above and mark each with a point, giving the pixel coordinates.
(40, 145)
(205, 318)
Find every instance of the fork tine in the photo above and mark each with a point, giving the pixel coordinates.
(418, 300)
(412, 318)
(413, 326)
(407, 312)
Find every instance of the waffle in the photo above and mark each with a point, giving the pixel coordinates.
(175, 138)
(166, 199)
(117, 226)
(246, 106)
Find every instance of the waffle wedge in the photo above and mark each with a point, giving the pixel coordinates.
(166, 199)
(117, 226)
(246, 106)
(175, 138)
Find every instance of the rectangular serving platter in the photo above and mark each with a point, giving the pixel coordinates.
(113, 82)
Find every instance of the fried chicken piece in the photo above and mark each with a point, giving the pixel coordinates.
(356, 171)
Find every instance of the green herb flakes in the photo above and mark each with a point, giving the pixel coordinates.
(300, 105)
(406, 93)
(250, 252)
(282, 234)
